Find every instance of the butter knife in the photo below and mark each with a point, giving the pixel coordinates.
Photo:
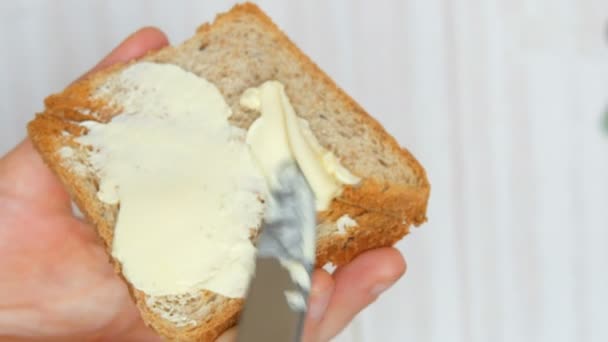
(276, 302)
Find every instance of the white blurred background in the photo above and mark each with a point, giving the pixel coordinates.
(501, 100)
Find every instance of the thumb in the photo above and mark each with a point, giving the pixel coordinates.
(23, 174)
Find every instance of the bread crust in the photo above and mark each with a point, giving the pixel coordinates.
(383, 211)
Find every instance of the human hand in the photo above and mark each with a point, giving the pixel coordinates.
(56, 282)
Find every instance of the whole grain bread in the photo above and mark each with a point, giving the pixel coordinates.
(240, 49)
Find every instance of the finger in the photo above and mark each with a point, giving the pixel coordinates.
(228, 335)
(22, 172)
(320, 294)
(23, 175)
(135, 46)
(358, 284)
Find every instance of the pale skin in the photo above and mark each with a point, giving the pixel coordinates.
(55, 280)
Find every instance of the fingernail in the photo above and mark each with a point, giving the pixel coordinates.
(379, 288)
(318, 305)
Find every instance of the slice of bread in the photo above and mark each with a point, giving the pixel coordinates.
(240, 49)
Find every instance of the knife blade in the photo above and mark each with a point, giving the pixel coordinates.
(275, 306)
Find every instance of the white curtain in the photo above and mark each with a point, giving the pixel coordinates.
(501, 100)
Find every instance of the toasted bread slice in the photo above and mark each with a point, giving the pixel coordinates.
(240, 49)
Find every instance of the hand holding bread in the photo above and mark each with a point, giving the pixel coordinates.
(58, 272)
